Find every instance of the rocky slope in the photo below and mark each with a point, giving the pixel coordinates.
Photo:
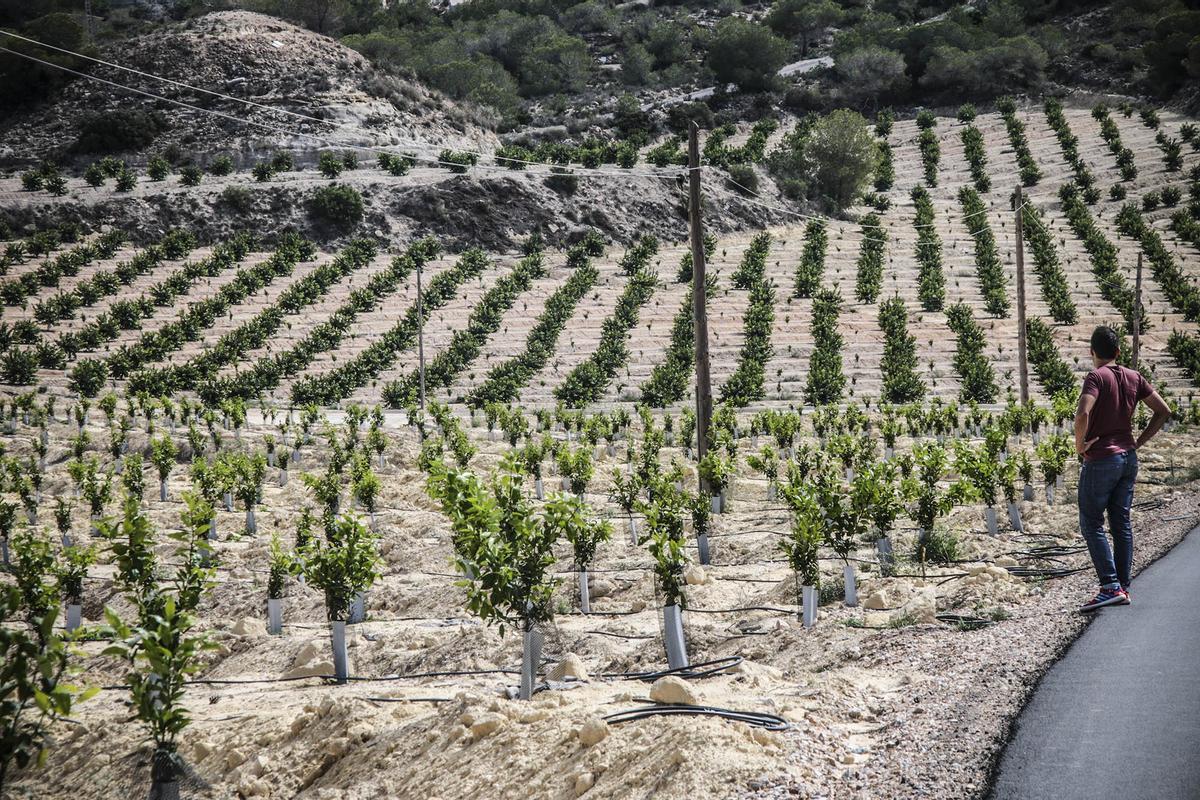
(258, 58)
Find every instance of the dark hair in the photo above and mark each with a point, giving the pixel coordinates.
(1105, 342)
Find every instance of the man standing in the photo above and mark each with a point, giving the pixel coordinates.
(1104, 439)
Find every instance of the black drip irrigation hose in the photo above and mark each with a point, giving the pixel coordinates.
(704, 669)
(759, 720)
(1044, 572)
(964, 621)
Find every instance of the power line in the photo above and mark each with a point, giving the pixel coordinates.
(304, 117)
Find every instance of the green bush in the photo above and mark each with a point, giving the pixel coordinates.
(746, 54)
(263, 171)
(330, 165)
(190, 175)
(338, 206)
(842, 155)
(158, 168)
(118, 131)
(743, 178)
(237, 198)
(221, 165)
(126, 180)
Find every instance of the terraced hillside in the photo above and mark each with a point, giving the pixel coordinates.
(867, 589)
(1073, 283)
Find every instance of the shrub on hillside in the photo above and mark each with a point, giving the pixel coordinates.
(871, 75)
(237, 198)
(221, 165)
(743, 178)
(842, 154)
(746, 54)
(118, 131)
(338, 206)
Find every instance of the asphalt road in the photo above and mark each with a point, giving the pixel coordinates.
(1119, 715)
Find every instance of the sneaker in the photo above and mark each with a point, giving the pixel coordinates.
(1106, 597)
(1128, 597)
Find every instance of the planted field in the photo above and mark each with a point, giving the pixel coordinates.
(223, 445)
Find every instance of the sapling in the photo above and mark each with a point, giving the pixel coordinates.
(930, 501)
(366, 488)
(79, 444)
(1007, 477)
(532, 455)
(716, 472)
(33, 572)
(377, 443)
(33, 671)
(162, 652)
(625, 492)
(281, 565)
(131, 546)
(96, 488)
(326, 489)
(802, 547)
(576, 467)
(504, 550)
(207, 484)
(846, 509)
(664, 526)
(568, 516)
(344, 567)
(23, 484)
(41, 445)
(163, 453)
(766, 461)
(981, 469)
(71, 570)
(133, 477)
(63, 511)
(248, 474)
(108, 404)
(700, 506)
(1052, 458)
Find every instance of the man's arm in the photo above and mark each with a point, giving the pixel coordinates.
(1083, 418)
(1162, 413)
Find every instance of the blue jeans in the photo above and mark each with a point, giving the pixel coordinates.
(1107, 485)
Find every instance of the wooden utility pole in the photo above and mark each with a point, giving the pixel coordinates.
(420, 336)
(699, 301)
(1136, 324)
(91, 21)
(1023, 365)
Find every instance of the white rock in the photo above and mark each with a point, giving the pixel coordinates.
(570, 667)
(594, 731)
(250, 626)
(583, 782)
(694, 575)
(671, 689)
(876, 601)
(486, 725)
(306, 654)
(922, 606)
(601, 587)
(310, 670)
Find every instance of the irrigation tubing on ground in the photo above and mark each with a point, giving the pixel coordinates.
(703, 669)
(760, 720)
